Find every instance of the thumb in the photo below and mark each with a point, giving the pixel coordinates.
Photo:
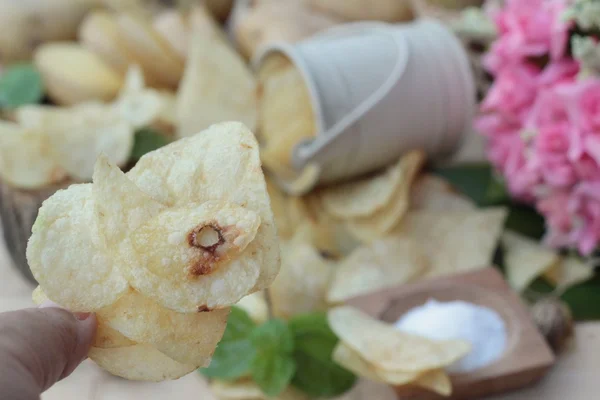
(39, 347)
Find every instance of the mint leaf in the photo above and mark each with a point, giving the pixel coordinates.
(232, 360)
(145, 141)
(316, 373)
(273, 336)
(20, 84)
(273, 372)
(239, 325)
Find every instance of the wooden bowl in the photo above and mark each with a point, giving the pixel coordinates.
(527, 357)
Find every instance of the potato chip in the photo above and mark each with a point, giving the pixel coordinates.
(294, 183)
(80, 134)
(302, 283)
(256, 306)
(73, 74)
(100, 33)
(433, 193)
(569, 271)
(26, 159)
(526, 259)
(217, 86)
(383, 221)
(286, 115)
(279, 205)
(67, 256)
(387, 348)
(174, 28)
(236, 390)
(151, 51)
(364, 197)
(106, 337)
(189, 338)
(436, 381)
(360, 10)
(219, 165)
(139, 363)
(384, 263)
(456, 241)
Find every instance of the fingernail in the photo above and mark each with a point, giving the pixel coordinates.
(82, 316)
(49, 304)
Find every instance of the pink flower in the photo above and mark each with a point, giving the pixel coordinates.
(513, 91)
(584, 99)
(549, 157)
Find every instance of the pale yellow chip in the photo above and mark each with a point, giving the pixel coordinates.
(173, 25)
(387, 348)
(383, 221)
(189, 338)
(364, 197)
(219, 165)
(106, 337)
(152, 52)
(525, 259)
(67, 255)
(361, 10)
(78, 135)
(236, 390)
(433, 193)
(140, 363)
(217, 86)
(26, 159)
(256, 307)
(383, 263)
(569, 271)
(301, 286)
(294, 183)
(436, 381)
(73, 74)
(286, 115)
(455, 241)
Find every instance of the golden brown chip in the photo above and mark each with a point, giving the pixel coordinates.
(389, 349)
(455, 241)
(139, 363)
(383, 221)
(302, 283)
(384, 263)
(217, 86)
(526, 259)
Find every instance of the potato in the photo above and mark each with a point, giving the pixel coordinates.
(357, 10)
(27, 24)
(73, 74)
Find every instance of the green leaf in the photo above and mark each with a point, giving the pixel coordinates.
(316, 373)
(239, 325)
(526, 221)
(496, 192)
(147, 140)
(20, 84)
(472, 180)
(273, 336)
(583, 299)
(273, 372)
(232, 360)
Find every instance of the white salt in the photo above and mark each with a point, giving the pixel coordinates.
(482, 327)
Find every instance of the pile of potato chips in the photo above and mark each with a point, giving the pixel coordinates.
(160, 253)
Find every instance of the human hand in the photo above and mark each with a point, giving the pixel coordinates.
(39, 347)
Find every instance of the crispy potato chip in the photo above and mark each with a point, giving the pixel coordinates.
(219, 165)
(569, 271)
(26, 159)
(434, 193)
(302, 283)
(173, 25)
(526, 259)
(67, 256)
(361, 10)
(217, 86)
(139, 363)
(100, 33)
(152, 52)
(244, 389)
(295, 183)
(189, 338)
(384, 220)
(256, 306)
(80, 134)
(456, 241)
(73, 74)
(365, 196)
(281, 125)
(436, 381)
(384, 263)
(279, 205)
(106, 337)
(387, 348)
